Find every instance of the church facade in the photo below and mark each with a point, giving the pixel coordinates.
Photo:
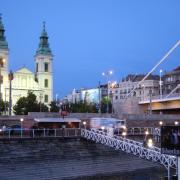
(40, 82)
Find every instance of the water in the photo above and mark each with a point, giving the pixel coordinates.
(72, 159)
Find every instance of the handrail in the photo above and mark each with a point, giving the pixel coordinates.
(130, 146)
(39, 133)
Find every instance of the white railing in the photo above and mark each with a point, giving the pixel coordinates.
(39, 133)
(140, 130)
(130, 146)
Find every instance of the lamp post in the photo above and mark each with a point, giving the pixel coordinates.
(160, 82)
(10, 91)
(107, 74)
(21, 125)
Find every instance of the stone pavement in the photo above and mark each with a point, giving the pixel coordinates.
(72, 159)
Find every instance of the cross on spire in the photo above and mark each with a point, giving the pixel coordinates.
(44, 25)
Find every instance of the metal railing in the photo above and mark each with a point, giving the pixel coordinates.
(140, 130)
(131, 147)
(40, 133)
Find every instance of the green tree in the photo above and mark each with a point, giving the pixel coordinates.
(43, 107)
(83, 107)
(3, 106)
(26, 104)
(54, 107)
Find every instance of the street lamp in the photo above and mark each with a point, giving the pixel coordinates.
(21, 125)
(160, 82)
(107, 74)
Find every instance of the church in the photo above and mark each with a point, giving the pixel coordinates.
(24, 80)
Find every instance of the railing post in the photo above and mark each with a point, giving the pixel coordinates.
(168, 172)
(33, 133)
(54, 132)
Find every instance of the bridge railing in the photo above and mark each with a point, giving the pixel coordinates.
(140, 130)
(130, 146)
(39, 133)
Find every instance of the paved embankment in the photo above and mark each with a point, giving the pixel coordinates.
(72, 159)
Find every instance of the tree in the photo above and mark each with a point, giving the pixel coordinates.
(26, 104)
(104, 103)
(83, 107)
(3, 106)
(43, 107)
(54, 107)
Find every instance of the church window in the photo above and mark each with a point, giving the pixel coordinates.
(46, 98)
(37, 67)
(1, 79)
(46, 67)
(46, 83)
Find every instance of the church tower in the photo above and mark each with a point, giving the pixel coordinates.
(4, 55)
(44, 72)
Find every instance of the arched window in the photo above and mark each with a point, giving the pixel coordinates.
(46, 83)
(46, 67)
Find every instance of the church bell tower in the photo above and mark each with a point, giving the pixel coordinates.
(44, 71)
(4, 55)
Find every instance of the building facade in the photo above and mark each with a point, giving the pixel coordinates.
(24, 80)
(171, 80)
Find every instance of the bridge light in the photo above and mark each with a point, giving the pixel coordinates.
(124, 127)
(124, 134)
(176, 123)
(102, 127)
(146, 133)
(150, 143)
(84, 123)
(160, 123)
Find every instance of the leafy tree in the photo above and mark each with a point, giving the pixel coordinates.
(54, 107)
(104, 103)
(26, 104)
(3, 106)
(43, 107)
(83, 107)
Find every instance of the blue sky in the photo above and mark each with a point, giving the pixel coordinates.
(88, 37)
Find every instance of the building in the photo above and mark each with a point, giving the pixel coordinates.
(121, 90)
(40, 82)
(171, 80)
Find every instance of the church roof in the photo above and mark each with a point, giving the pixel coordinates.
(3, 42)
(24, 70)
(43, 48)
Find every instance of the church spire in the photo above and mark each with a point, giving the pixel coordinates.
(3, 42)
(44, 48)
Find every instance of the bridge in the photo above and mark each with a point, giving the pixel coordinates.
(131, 147)
(171, 102)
